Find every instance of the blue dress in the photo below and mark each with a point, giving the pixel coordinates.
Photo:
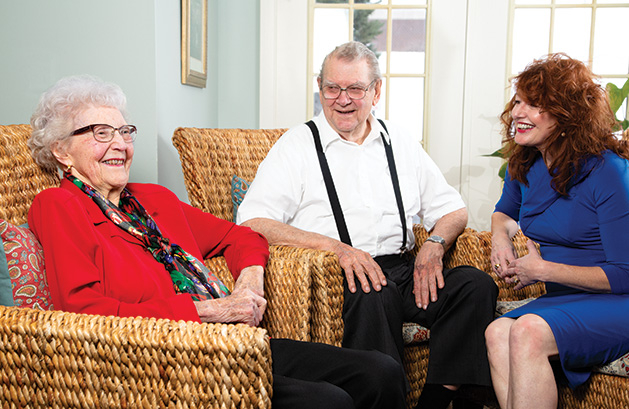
(588, 227)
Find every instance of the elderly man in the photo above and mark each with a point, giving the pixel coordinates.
(347, 183)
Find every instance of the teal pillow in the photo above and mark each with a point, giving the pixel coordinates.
(238, 191)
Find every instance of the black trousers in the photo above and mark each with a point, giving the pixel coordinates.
(309, 375)
(457, 321)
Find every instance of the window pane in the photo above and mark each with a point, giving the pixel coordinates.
(317, 101)
(379, 110)
(611, 1)
(409, 2)
(331, 28)
(408, 41)
(406, 104)
(573, 1)
(370, 28)
(529, 43)
(572, 32)
(518, 2)
(377, 24)
(611, 53)
(332, 1)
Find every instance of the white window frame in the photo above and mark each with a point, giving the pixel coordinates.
(594, 5)
(351, 6)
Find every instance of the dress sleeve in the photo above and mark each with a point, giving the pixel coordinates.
(612, 199)
(241, 246)
(75, 265)
(510, 199)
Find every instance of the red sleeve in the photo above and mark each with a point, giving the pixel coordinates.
(241, 246)
(91, 272)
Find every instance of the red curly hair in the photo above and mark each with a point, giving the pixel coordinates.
(567, 90)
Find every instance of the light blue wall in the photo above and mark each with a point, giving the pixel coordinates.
(135, 44)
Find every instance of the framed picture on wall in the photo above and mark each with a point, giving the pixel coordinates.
(194, 42)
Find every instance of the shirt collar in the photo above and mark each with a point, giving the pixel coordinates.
(328, 135)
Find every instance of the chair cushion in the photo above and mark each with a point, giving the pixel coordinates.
(239, 188)
(414, 333)
(22, 273)
(619, 367)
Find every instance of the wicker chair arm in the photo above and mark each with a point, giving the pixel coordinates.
(304, 292)
(60, 359)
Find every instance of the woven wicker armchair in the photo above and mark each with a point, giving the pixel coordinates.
(210, 157)
(60, 359)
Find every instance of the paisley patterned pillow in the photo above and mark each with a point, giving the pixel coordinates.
(25, 265)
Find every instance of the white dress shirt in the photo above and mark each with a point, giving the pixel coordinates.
(289, 186)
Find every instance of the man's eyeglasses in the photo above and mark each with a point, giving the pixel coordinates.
(353, 91)
(105, 133)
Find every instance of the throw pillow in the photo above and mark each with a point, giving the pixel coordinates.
(238, 190)
(25, 265)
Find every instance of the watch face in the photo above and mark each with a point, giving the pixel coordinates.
(436, 239)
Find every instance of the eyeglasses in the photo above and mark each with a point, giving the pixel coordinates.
(353, 91)
(105, 133)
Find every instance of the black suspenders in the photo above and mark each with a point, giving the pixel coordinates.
(334, 200)
(329, 185)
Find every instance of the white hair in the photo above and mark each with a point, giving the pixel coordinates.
(53, 119)
(353, 51)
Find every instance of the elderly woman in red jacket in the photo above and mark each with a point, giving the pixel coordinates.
(130, 249)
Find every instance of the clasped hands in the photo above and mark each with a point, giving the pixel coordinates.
(359, 266)
(246, 304)
(519, 271)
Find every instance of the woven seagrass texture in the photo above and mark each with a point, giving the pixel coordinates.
(210, 157)
(53, 359)
(288, 291)
(304, 287)
(416, 367)
(20, 177)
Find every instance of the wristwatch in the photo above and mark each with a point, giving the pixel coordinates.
(437, 239)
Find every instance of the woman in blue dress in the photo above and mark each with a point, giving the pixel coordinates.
(567, 188)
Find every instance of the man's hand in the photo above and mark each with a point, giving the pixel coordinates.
(428, 273)
(359, 264)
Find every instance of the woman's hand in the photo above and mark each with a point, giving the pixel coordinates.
(502, 254)
(526, 270)
(503, 228)
(251, 277)
(246, 304)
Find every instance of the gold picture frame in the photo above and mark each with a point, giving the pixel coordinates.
(194, 42)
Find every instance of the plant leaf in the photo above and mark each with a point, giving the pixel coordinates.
(617, 95)
(495, 154)
(503, 171)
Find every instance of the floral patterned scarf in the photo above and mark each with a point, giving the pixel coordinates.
(189, 275)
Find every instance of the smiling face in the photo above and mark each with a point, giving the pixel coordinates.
(532, 125)
(104, 166)
(346, 116)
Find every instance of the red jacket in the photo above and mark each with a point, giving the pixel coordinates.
(95, 267)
